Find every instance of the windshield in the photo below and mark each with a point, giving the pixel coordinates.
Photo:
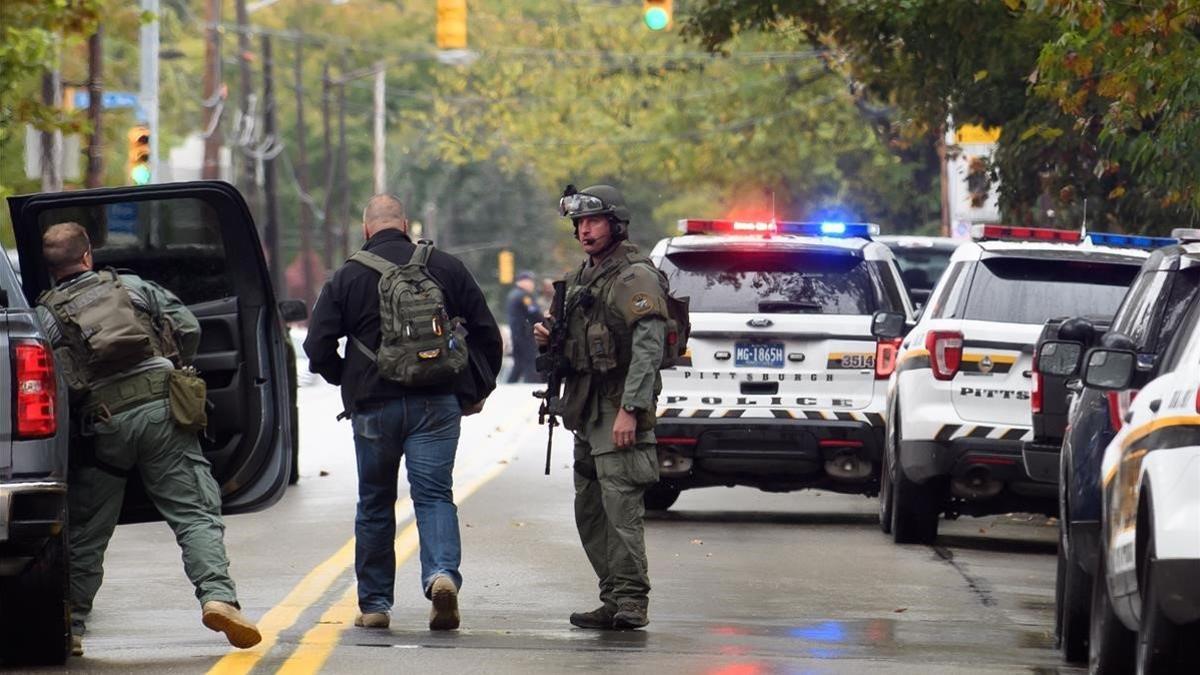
(921, 267)
(1022, 290)
(775, 282)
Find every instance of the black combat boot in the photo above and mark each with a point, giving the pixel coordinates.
(600, 618)
(630, 614)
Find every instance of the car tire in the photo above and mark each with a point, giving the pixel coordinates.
(915, 508)
(886, 479)
(1073, 593)
(1110, 643)
(35, 625)
(660, 497)
(1162, 646)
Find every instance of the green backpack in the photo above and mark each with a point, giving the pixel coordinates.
(419, 345)
(104, 332)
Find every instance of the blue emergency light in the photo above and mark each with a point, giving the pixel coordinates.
(1129, 240)
(767, 228)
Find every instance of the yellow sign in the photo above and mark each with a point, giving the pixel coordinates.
(971, 133)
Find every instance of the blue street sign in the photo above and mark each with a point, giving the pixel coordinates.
(122, 218)
(108, 99)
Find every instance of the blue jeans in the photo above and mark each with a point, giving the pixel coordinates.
(424, 429)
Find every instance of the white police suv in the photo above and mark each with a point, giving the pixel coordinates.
(783, 384)
(1150, 525)
(959, 401)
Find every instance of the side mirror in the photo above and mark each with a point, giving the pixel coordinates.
(1059, 358)
(1110, 369)
(887, 325)
(293, 310)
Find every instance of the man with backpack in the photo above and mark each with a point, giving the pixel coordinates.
(415, 321)
(120, 341)
(616, 325)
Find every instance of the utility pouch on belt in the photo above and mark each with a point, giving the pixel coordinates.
(186, 392)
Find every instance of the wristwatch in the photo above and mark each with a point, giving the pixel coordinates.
(632, 410)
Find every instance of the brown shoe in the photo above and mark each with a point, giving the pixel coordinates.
(225, 618)
(373, 620)
(444, 613)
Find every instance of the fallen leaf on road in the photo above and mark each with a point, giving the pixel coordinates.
(983, 530)
(707, 555)
(900, 610)
(324, 472)
(518, 524)
(698, 542)
(503, 461)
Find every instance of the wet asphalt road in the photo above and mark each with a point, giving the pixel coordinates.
(744, 582)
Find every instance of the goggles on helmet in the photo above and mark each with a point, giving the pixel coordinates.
(578, 205)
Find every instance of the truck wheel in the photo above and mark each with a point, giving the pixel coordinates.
(886, 478)
(915, 508)
(660, 497)
(1110, 643)
(1073, 593)
(35, 626)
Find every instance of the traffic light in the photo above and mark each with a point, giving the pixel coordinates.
(138, 164)
(505, 266)
(656, 14)
(452, 24)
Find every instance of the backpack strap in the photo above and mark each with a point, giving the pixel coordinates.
(371, 260)
(364, 349)
(421, 255)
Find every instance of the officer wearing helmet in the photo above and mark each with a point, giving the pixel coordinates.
(616, 314)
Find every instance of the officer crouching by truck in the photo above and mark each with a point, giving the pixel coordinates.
(608, 345)
(122, 342)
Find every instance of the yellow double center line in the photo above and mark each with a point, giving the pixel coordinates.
(317, 644)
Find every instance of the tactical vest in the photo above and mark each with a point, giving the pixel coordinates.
(103, 330)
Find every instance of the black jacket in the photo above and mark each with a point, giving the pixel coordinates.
(349, 305)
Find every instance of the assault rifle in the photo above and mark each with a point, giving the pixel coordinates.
(553, 364)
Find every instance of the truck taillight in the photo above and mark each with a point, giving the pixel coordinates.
(36, 390)
(886, 352)
(945, 353)
(1035, 396)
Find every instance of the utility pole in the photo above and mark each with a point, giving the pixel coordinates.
(148, 96)
(330, 171)
(271, 228)
(52, 150)
(211, 168)
(380, 162)
(343, 170)
(95, 85)
(248, 176)
(302, 179)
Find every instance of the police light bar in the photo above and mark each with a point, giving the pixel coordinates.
(803, 229)
(1129, 240)
(1011, 233)
(1186, 234)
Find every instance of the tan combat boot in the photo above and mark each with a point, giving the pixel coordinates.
(373, 620)
(444, 613)
(225, 618)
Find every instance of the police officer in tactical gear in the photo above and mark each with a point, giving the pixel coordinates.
(522, 309)
(616, 313)
(119, 339)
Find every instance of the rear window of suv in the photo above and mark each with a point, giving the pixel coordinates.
(774, 282)
(1026, 290)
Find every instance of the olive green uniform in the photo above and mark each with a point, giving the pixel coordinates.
(125, 424)
(616, 313)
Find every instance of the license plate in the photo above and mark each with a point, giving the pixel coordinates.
(758, 355)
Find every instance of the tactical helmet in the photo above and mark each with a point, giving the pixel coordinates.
(606, 201)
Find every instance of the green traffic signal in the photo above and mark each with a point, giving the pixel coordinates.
(140, 174)
(656, 18)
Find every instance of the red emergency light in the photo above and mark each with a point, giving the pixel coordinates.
(766, 228)
(1014, 233)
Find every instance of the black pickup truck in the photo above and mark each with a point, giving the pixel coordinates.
(1050, 400)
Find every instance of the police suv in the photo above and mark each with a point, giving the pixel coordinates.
(1149, 548)
(959, 402)
(782, 387)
